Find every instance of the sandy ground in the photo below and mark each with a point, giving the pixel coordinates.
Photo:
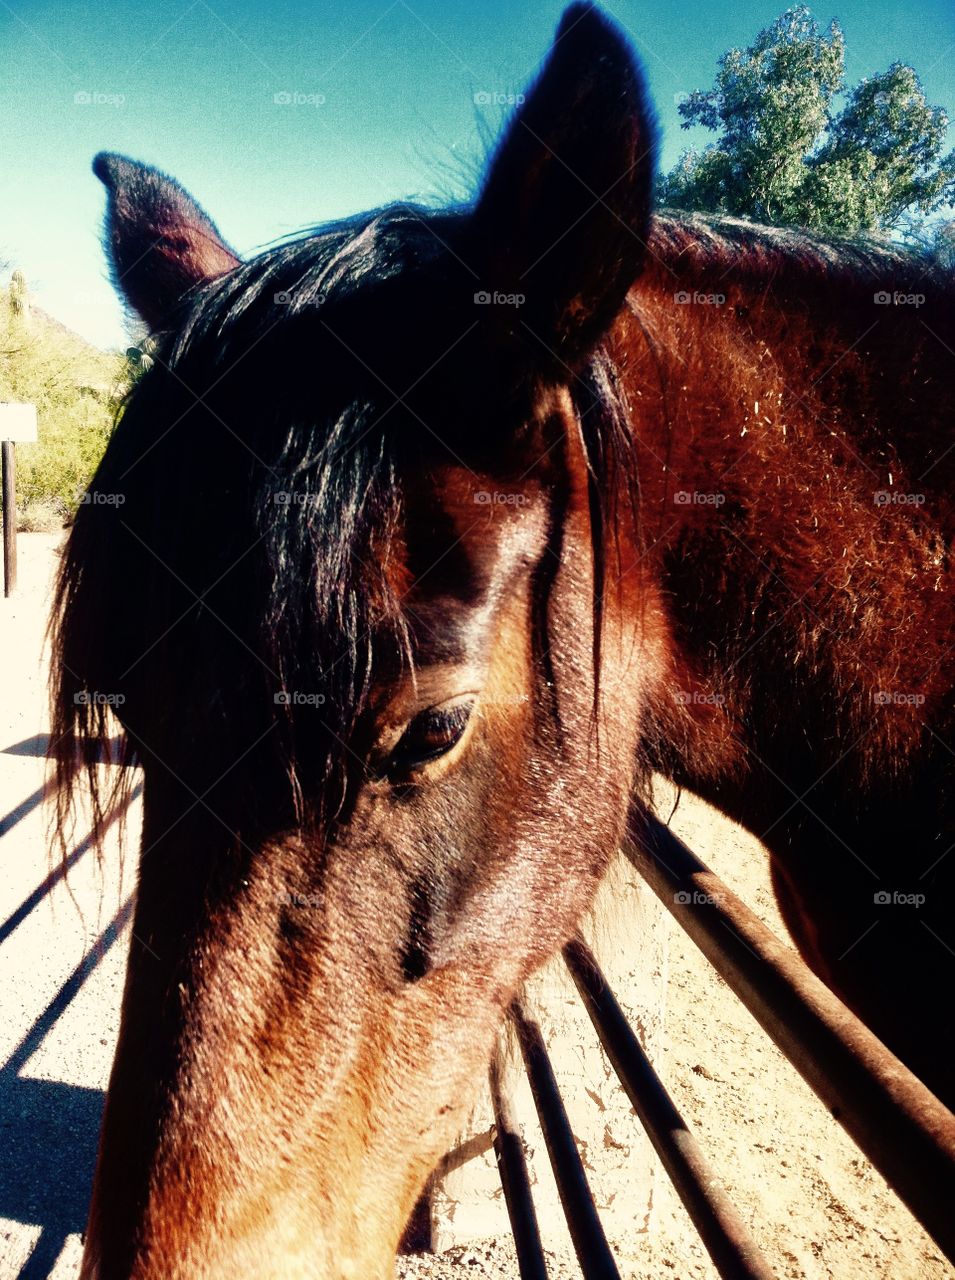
(816, 1207)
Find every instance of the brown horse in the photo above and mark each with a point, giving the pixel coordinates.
(426, 539)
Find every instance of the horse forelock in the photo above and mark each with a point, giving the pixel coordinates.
(275, 545)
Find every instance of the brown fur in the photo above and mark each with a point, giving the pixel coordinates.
(316, 980)
(799, 600)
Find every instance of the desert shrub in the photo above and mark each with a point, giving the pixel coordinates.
(76, 389)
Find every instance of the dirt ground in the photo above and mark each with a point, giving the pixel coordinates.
(815, 1206)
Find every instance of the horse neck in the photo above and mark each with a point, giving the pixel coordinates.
(763, 434)
(756, 395)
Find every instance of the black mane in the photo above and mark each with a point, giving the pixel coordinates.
(257, 467)
(709, 246)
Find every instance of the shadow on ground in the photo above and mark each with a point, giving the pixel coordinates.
(49, 1131)
(48, 1136)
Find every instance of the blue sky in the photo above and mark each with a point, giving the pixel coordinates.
(383, 105)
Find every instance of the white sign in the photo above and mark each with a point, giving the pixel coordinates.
(18, 422)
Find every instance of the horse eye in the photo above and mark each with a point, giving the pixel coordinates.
(429, 735)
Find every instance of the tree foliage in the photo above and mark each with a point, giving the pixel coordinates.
(76, 389)
(786, 155)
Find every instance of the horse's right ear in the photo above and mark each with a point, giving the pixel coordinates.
(564, 216)
(160, 243)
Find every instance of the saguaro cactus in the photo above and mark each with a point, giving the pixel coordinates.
(19, 301)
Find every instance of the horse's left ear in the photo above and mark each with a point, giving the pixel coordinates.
(564, 215)
(161, 243)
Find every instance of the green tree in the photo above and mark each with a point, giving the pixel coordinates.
(76, 389)
(786, 156)
(943, 244)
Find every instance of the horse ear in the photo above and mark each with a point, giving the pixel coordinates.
(564, 215)
(160, 243)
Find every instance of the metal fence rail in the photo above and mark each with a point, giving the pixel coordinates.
(583, 1220)
(512, 1166)
(899, 1124)
(904, 1130)
(727, 1240)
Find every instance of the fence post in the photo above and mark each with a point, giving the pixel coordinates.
(17, 422)
(9, 517)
